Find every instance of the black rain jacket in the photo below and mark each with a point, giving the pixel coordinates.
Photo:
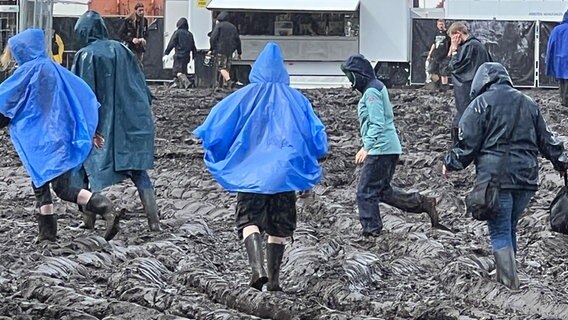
(484, 127)
(182, 40)
(225, 37)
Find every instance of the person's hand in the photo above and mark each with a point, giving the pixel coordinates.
(135, 40)
(209, 52)
(142, 41)
(456, 40)
(98, 141)
(444, 171)
(360, 156)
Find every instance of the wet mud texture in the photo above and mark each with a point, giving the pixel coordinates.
(196, 268)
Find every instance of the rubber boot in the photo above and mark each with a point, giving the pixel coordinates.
(89, 218)
(274, 254)
(253, 244)
(507, 268)
(429, 206)
(47, 227)
(99, 204)
(150, 208)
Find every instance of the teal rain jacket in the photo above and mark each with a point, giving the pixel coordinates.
(53, 113)
(264, 138)
(125, 116)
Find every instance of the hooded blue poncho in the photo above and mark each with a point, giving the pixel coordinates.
(557, 50)
(264, 138)
(53, 113)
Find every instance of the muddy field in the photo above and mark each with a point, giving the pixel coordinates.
(196, 269)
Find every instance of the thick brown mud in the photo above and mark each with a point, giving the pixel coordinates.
(196, 268)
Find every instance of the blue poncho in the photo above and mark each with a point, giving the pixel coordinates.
(557, 51)
(53, 113)
(264, 138)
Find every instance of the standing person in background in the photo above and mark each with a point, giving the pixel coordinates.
(125, 135)
(467, 54)
(184, 44)
(380, 152)
(438, 56)
(134, 32)
(557, 57)
(57, 47)
(224, 41)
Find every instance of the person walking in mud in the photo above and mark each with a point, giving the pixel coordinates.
(557, 57)
(52, 116)
(224, 41)
(467, 54)
(125, 134)
(438, 56)
(380, 152)
(134, 32)
(264, 142)
(502, 131)
(183, 43)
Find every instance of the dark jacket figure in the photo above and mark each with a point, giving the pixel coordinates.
(380, 152)
(135, 26)
(225, 37)
(184, 44)
(483, 132)
(557, 57)
(470, 55)
(125, 116)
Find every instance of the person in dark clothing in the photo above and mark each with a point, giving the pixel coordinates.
(467, 54)
(438, 56)
(485, 129)
(184, 44)
(134, 32)
(224, 41)
(557, 57)
(380, 152)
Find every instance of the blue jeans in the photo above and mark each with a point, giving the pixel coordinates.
(503, 228)
(141, 179)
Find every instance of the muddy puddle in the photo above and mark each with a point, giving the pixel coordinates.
(196, 269)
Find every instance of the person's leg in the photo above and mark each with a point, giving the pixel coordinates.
(564, 92)
(47, 220)
(502, 241)
(250, 218)
(147, 195)
(371, 183)
(521, 200)
(281, 223)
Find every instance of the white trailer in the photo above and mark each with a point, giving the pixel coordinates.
(517, 10)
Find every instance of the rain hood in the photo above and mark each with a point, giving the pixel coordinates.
(53, 113)
(489, 74)
(264, 138)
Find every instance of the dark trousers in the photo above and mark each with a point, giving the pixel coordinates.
(462, 99)
(67, 187)
(564, 92)
(375, 186)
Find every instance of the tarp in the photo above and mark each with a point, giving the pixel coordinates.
(544, 35)
(285, 5)
(264, 138)
(53, 113)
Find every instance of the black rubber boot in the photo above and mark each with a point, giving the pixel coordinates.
(253, 244)
(429, 206)
(507, 268)
(47, 227)
(274, 254)
(99, 204)
(150, 208)
(89, 218)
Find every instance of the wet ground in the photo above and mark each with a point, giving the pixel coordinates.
(196, 268)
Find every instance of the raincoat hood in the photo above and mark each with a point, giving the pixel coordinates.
(362, 73)
(565, 18)
(90, 27)
(223, 16)
(489, 74)
(28, 45)
(182, 24)
(269, 66)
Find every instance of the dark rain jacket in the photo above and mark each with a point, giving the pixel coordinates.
(470, 55)
(557, 51)
(484, 130)
(134, 28)
(182, 41)
(225, 37)
(376, 117)
(125, 116)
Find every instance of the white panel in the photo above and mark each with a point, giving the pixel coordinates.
(200, 23)
(547, 10)
(73, 9)
(286, 5)
(384, 32)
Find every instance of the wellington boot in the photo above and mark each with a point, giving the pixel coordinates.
(47, 227)
(150, 208)
(507, 268)
(274, 254)
(99, 204)
(253, 244)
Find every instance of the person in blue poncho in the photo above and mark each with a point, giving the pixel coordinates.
(124, 138)
(557, 57)
(263, 142)
(52, 116)
(380, 152)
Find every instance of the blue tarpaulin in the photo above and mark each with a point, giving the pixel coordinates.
(264, 138)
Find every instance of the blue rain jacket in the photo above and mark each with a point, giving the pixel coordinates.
(53, 113)
(264, 138)
(126, 121)
(557, 51)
